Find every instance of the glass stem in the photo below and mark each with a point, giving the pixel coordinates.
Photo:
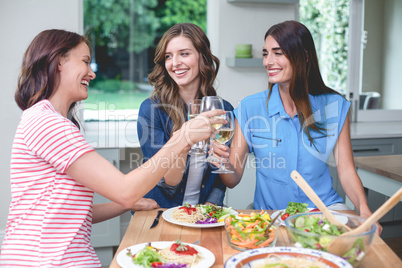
(211, 140)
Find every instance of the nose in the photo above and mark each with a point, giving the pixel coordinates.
(268, 60)
(176, 61)
(91, 74)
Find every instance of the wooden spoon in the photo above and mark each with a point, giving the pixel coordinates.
(340, 245)
(316, 200)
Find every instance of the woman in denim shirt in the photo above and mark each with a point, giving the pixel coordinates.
(185, 70)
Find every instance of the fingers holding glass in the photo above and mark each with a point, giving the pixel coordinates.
(225, 134)
(210, 103)
(194, 109)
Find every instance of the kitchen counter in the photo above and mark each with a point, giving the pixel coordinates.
(123, 134)
(374, 130)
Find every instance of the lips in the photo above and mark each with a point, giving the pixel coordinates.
(273, 72)
(85, 83)
(180, 72)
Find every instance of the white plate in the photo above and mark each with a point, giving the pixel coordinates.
(125, 261)
(252, 257)
(167, 215)
(340, 218)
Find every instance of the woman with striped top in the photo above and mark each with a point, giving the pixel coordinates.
(55, 172)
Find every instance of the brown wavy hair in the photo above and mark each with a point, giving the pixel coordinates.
(297, 45)
(165, 88)
(39, 76)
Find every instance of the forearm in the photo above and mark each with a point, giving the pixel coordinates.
(175, 174)
(353, 188)
(98, 174)
(105, 211)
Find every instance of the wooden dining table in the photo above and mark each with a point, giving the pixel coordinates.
(215, 240)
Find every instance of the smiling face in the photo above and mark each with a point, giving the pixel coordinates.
(182, 63)
(278, 66)
(75, 74)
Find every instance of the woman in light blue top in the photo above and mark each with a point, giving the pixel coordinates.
(294, 125)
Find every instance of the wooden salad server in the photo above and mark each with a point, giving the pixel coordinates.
(340, 245)
(316, 200)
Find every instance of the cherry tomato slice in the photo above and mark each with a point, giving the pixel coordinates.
(284, 216)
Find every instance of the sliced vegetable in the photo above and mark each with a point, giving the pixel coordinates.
(250, 230)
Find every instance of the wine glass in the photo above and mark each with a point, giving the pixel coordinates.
(194, 108)
(210, 103)
(225, 134)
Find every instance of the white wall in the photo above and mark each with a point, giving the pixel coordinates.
(229, 24)
(20, 22)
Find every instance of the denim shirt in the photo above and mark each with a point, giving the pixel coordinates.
(153, 127)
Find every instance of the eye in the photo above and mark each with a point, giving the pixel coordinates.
(185, 53)
(264, 54)
(167, 56)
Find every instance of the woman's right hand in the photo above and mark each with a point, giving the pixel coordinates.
(200, 128)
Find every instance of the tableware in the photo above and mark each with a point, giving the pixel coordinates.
(210, 103)
(340, 218)
(243, 237)
(125, 261)
(225, 134)
(250, 258)
(301, 182)
(307, 239)
(194, 109)
(156, 221)
(167, 216)
(342, 244)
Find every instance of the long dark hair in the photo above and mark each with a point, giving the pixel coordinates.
(297, 45)
(165, 88)
(39, 75)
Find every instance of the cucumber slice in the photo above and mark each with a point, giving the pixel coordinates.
(299, 222)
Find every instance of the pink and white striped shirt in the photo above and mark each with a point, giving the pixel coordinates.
(50, 216)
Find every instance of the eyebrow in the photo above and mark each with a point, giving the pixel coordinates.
(180, 50)
(274, 49)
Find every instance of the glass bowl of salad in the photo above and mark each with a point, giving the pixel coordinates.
(250, 231)
(313, 230)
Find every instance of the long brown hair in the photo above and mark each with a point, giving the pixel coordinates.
(165, 88)
(297, 45)
(39, 76)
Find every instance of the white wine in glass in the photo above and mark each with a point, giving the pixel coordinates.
(201, 147)
(225, 134)
(210, 103)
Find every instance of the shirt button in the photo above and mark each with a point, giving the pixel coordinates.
(203, 186)
(181, 190)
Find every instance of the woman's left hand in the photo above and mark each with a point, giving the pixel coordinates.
(145, 204)
(379, 227)
(222, 152)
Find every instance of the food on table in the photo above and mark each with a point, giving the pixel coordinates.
(248, 231)
(316, 232)
(293, 208)
(201, 214)
(178, 255)
(276, 261)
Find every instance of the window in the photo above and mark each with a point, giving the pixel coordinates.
(124, 34)
(328, 21)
